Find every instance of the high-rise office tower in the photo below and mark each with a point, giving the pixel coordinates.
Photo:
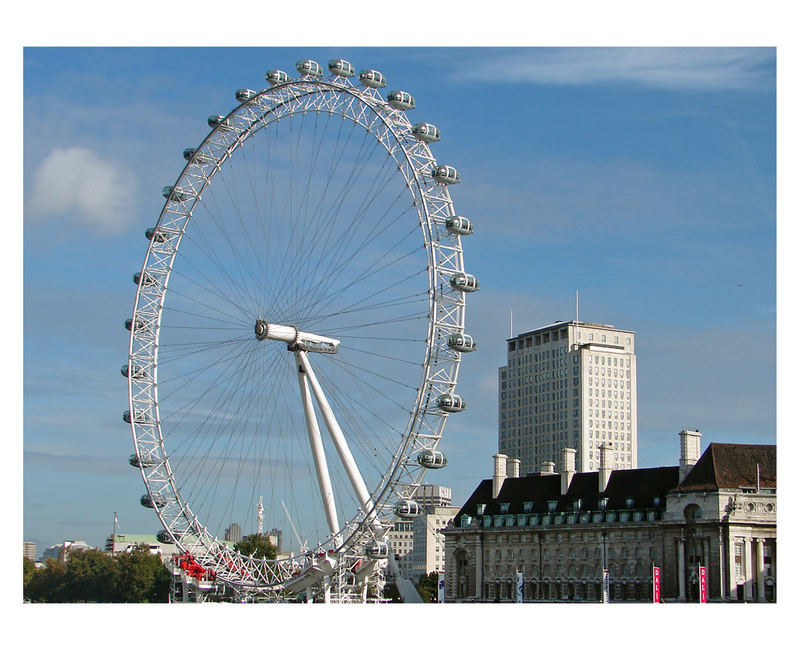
(570, 384)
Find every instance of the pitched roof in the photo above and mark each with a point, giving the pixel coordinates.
(641, 485)
(724, 465)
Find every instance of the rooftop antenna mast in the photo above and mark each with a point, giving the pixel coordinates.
(511, 329)
(260, 516)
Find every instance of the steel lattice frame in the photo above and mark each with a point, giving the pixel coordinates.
(415, 162)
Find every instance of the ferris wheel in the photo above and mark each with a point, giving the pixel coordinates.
(297, 331)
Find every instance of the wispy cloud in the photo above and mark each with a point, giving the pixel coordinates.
(77, 184)
(691, 68)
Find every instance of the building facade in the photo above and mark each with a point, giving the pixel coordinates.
(562, 530)
(29, 550)
(569, 384)
(428, 553)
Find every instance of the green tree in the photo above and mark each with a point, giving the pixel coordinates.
(90, 577)
(141, 577)
(428, 587)
(28, 569)
(257, 546)
(46, 585)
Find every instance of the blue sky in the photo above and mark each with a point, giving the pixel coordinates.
(642, 178)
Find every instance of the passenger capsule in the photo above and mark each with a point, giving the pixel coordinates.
(140, 325)
(137, 372)
(341, 68)
(451, 403)
(459, 226)
(191, 154)
(142, 461)
(156, 234)
(378, 550)
(152, 502)
(164, 537)
(432, 459)
(219, 122)
(275, 77)
(461, 343)
(309, 68)
(406, 509)
(139, 416)
(446, 174)
(372, 79)
(245, 94)
(426, 132)
(465, 282)
(144, 280)
(169, 192)
(401, 99)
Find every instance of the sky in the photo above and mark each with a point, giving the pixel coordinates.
(642, 178)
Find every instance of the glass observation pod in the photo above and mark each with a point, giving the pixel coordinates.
(310, 68)
(372, 79)
(140, 417)
(406, 509)
(465, 282)
(219, 122)
(140, 325)
(275, 77)
(154, 234)
(245, 94)
(191, 153)
(136, 461)
(136, 373)
(426, 132)
(432, 459)
(341, 68)
(169, 192)
(446, 174)
(144, 279)
(451, 403)
(378, 550)
(163, 537)
(461, 342)
(458, 226)
(148, 502)
(401, 99)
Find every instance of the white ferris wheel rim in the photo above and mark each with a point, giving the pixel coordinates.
(391, 129)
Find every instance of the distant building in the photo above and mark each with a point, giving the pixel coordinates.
(560, 531)
(276, 538)
(61, 551)
(428, 554)
(29, 550)
(569, 384)
(233, 533)
(126, 542)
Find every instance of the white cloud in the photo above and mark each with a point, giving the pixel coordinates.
(79, 185)
(685, 68)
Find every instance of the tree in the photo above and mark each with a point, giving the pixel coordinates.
(46, 585)
(428, 587)
(90, 576)
(141, 577)
(256, 545)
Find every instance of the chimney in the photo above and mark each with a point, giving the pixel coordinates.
(500, 461)
(567, 468)
(605, 466)
(548, 467)
(513, 467)
(690, 451)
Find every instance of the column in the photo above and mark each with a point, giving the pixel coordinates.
(760, 570)
(681, 570)
(747, 561)
(732, 591)
(479, 569)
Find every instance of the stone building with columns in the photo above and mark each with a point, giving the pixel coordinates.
(561, 530)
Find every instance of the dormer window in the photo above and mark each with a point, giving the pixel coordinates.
(603, 503)
(629, 502)
(576, 504)
(527, 506)
(656, 501)
(480, 508)
(504, 507)
(551, 505)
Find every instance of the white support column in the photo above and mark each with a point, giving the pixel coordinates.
(318, 451)
(747, 560)
(681, 570)
(353, 473)
(760, 570)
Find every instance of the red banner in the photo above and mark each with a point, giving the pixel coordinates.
(656, 584)
(703, 584)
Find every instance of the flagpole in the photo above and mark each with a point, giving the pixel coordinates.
(114, 535)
